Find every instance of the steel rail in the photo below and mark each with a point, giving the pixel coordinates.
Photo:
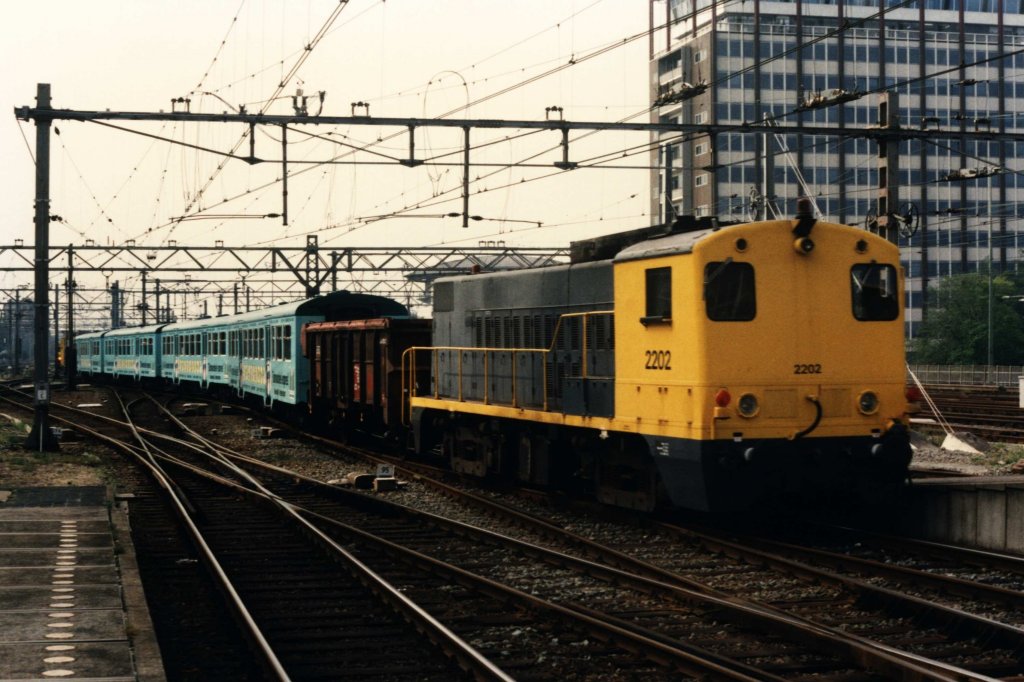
(946, 583)
(656, 646)
(995, 632)
(463, 652)
(183, 508)
(145, 458)
(482, 668)
(863, 649)
(873, 655)
(969, 555)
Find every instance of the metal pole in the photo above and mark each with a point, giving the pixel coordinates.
(41, 438)
(115, 302)
(56, 330)
(764, 173)
(10, 334)
(284, 174)
(991, 266)
(70, 350)
(312, 267)
(144, 305)
(16, 316)
(465, 179)
(667, 155)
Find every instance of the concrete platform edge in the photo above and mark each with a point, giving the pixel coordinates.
(149, 665)
(986, 514)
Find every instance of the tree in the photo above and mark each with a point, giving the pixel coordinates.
(956, 332)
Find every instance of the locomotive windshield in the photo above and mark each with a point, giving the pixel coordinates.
(729, 291)
(873, 289)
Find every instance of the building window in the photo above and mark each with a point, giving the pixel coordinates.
(700, 149)
(659, 296)
(700, 180)
(699, 56)
(702, 210)
(701, 117)
(729, 291)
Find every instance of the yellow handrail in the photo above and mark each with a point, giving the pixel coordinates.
(409, 361)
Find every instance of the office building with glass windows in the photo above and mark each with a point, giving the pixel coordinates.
(955, 66)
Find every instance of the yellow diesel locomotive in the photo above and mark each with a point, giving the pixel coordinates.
(711, 368)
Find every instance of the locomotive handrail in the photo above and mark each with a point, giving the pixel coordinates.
(409, 365)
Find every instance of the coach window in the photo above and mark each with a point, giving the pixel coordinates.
(287, 342)
(873, 291)
(729, 291)
(659, 296)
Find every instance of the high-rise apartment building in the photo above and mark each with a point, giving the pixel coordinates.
(956, 66)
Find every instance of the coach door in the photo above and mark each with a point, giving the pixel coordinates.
(241, 337)
(268, 370)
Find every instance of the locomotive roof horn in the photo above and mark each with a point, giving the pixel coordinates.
(805, 219)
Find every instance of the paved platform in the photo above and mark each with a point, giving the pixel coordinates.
(71, 602)
(981, 511)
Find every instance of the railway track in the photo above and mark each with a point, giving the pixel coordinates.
(668, 600)
(917, 629)
(305, 607)
(989, 411)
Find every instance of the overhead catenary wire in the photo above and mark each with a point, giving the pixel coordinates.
(285, 79)
(505, 166)
(572, 62)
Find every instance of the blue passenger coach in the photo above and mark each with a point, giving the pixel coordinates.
(183, 351)
(257, 353)
(263, 355)
(132, 352)
(254, 354)
(89, 349)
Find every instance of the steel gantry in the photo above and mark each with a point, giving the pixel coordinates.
(312, 267)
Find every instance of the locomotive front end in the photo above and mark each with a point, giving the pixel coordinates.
(765, 361)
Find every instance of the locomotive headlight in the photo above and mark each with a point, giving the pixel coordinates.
(803, 246)
(748, 406)
(867, 403)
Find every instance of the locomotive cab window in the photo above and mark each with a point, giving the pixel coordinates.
(659, 296)
(873, 292)
(729, 294)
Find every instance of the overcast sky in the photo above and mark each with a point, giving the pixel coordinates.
(407, 58)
